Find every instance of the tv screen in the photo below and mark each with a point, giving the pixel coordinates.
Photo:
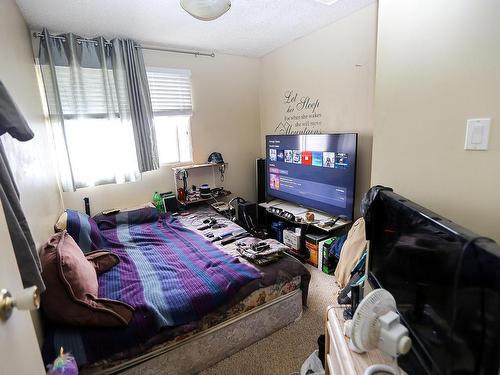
(415, 255)
(316, 171)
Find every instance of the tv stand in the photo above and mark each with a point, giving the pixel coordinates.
(317, 226)
(320, 218)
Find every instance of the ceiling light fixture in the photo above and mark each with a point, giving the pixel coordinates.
(206, 10)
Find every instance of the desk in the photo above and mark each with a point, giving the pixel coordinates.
(339, 359)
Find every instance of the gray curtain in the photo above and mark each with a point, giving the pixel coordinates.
(126, 56)
(28, 261)
(98, 97)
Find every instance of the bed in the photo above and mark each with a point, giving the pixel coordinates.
(195, 302)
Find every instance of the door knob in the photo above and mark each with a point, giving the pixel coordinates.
(26, 299)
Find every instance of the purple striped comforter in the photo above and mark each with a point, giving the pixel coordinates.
(170, 274)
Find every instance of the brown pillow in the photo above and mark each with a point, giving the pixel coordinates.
(71, 281)
(102, 261)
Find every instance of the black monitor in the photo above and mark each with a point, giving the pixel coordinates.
(419, 257)
(315, 171)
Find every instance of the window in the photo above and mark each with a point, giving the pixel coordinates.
(96, 138)
(170, 91)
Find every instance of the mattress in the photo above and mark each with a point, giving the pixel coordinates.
(275, 280)
(258, 298)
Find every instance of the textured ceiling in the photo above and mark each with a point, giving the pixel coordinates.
(249, 28)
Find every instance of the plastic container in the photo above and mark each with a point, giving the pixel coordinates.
(158, 202)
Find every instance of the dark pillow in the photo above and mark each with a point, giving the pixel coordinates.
(102, 261)
(71, 282)
(84, 231)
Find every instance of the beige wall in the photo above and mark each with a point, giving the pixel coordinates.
(226, 119)
(30, 161)
(438, 63)
(336, 66)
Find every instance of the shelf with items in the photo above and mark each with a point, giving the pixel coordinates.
(195, 166)
(188, 202)
(323, 227)
(321, 220)
(198, 183)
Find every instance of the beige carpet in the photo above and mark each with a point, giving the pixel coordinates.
(284, 351)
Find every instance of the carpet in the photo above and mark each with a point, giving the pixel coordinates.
(283, 352)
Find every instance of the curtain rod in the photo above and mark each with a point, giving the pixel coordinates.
(150, 48)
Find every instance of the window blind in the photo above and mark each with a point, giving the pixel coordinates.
(90, 95)
(170, 91)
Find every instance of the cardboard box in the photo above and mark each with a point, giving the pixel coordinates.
(313, 245)
(291, 239)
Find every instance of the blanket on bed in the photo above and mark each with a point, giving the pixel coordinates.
(170, 274)
(166, 269)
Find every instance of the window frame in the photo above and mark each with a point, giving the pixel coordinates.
(185, 73)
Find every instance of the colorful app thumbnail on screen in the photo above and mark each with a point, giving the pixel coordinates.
(272, 154)
(329, 159)
(317, 159)
(281, 155)
(297, 157)
(274, 181)
(306, 157)
(341, 160)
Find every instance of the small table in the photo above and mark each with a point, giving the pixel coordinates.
(339, 359)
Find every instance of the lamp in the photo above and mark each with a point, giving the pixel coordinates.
(206, 10)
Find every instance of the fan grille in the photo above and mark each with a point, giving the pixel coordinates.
(365, 323)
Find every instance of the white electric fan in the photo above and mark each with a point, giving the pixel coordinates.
(375, 324)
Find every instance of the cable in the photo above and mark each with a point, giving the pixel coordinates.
(456, 278)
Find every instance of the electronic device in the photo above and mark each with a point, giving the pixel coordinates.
(314, 170)
(445, 280)
(375, 325)
(234, 237)
(288, 216)
(220, 206)
(169, 202)
(227, 234)
(260, 179)
(205, 191)
(275, 211)
(208, 223)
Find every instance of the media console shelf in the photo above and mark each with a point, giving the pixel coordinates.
(320, 218)
(318, 225)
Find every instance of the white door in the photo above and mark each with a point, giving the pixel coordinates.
(19, 351)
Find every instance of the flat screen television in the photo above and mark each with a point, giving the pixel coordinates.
(416, 255)
(315, 171)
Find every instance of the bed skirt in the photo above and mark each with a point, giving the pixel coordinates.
(208, 347)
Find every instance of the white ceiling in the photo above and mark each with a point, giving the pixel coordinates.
(249, 28)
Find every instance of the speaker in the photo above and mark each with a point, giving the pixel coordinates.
(260, 178)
